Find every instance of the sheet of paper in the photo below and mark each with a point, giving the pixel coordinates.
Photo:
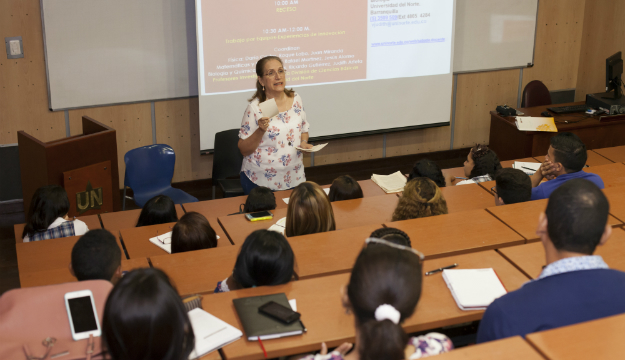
(533, 123)
(326, 190)
(269, 108)
(293, 304)
(314, 148)
(527, 167)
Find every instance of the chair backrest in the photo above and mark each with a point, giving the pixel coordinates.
(227, 158)
(149, 167)
(30, 315)
(535, 94)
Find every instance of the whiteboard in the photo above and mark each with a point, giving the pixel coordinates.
(494, 34)
(120, 51)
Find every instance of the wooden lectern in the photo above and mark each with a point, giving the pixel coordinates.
(44, 163)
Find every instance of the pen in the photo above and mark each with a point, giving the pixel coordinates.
(526, 168)
(441, 269)
(463, 178)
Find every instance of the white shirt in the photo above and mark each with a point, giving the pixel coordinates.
(80, 228)
(276, 163)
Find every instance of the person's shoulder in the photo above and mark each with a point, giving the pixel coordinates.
(592, 177)
(429, 344)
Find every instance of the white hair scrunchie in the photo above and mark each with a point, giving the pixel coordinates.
(387, 312)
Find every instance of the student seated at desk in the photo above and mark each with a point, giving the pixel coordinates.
(575, 286)
(481, 165)
(420, 198)
(345, 187)
(265, 258)
(383, 291)
(144, 318)
(429, 169)
(192, 232)
(511, 186)
(158, 210)
(565, 160)
(261, 198)
(309, 211)
(47, 216)
(96, 256)
(392, 235)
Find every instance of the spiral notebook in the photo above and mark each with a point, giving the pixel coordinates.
(474, 289)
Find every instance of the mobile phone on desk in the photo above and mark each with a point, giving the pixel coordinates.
(258, 216)
(83, 317)
(279, 312)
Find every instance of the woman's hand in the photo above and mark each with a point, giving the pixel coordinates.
(263, 123)
(305, 145)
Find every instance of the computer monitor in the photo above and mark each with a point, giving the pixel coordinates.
(613, 72)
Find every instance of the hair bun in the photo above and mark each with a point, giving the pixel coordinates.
(479, 150)
(387, 312)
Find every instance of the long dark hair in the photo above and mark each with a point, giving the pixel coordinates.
(192, 232)
(429, 169)
(383, 275)
(485, 160)
(260, 198)
(260, 72)
(158, 210)
(345, 187)
(48, 203)
(144, 318)
(266, 258)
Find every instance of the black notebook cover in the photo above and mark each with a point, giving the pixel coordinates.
(257, 324)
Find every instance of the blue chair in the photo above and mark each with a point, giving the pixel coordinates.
(149, 170)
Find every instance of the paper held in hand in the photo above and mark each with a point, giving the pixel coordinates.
(314, 148)
(474, 289)
(390, 183)
(529, 123)
(269, 108)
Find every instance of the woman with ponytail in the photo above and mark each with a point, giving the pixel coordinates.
(382, 293)
(420, 198)
(269, 144)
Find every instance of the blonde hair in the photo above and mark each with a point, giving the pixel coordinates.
(421, 198)
(260, 72)
(309, 211)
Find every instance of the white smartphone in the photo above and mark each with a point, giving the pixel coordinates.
(83, 317)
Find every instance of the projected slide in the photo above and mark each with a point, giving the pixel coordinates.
(322, 41)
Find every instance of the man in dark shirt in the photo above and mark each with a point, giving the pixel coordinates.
(96, 256)
(575, 286)
(565, 160)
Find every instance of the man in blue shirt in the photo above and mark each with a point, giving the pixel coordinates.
(575, 286)
(565, 160)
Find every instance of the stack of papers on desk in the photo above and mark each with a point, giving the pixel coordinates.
(210, 333)
(473, 289)
(164, 241)
(527, 167)
(530, 123)
(393, 183)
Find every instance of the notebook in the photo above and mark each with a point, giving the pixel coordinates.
(210, 333)
(164, 241)
(527, 167)
(390, 183)
(473, 289)
(256, 324)
(529, 123)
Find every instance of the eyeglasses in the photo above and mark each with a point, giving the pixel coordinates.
(493, 191)
(271, 73)
(395, 246)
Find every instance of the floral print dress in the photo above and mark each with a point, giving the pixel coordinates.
(276, 163)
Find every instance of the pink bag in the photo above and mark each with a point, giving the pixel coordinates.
(30, 315)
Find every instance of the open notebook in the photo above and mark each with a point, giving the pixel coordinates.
(527, 167)
(164, 241)
(390, 183)
(210, 333)
(473, 289)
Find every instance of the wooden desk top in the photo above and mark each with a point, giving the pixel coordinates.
(612, 175)
(594, 159)
(459, 233)
(45, 254)
(530, 258)
(136, 239)
(319, 302)
(119, 220)
(616, 154)
(365, 211)
(369, 188)
(616, 197)
(467, 197)
(62, 275)
(511, 348)
(92, 222)
(223, 207)
(597, 339)
(199, 271)
(329, 253)
(237, 227)
(523, 217)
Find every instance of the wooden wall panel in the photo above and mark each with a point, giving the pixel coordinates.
(132, 122)
(558, 43)
(350, 149)
(177, 125)
(23, 87)
(603, 35)
(478, 94)
(418, 141)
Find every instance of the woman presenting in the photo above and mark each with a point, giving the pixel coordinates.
(269, 145)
